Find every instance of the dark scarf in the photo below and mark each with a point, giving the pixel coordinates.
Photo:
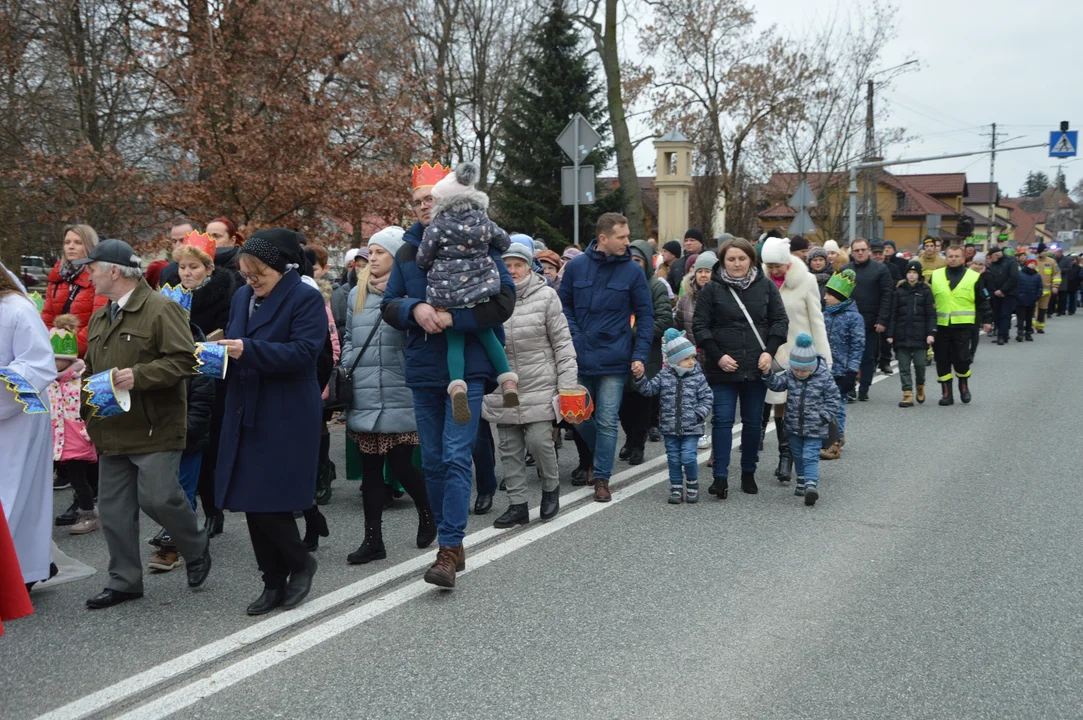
(69, 272)
(741, 283)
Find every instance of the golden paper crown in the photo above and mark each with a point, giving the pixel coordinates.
(427, 175)
(202, 242)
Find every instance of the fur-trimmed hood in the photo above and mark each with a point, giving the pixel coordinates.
(463, 202)
(795, 273)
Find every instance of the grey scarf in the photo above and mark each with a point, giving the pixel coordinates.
(740, 283)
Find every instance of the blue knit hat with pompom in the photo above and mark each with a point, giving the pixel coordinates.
(803, 354)
(677, 346)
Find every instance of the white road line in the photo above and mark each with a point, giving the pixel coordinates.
(203, 688)
(165, 672)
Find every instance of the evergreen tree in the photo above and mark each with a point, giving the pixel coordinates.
(1061, 182)
(557, 82)
(1035, 184)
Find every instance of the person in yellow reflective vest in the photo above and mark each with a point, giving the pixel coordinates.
(959, 304)
(1049, 272)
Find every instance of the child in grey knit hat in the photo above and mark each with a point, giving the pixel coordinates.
(686, 401)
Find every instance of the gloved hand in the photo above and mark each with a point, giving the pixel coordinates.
(846, 383)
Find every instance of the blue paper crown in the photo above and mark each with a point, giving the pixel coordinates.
(178, 294)
(24, 392)
(106, 400)
(211, 360)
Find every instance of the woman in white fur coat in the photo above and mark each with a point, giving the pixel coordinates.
(801, 296)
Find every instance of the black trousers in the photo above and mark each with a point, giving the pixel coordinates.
(205, 488)
(975, 338)
(635, 418)
(952, 351)
(374, 491)
(1024, 320)
(886, 349)
(1003, 307)
(586, 456)
(76, 472)
(277, 546)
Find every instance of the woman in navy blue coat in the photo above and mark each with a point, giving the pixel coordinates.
(269, 448)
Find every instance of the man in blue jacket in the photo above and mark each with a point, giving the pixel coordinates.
(602, 292)
(446, 446)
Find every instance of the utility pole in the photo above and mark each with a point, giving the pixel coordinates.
(870, 204)
(992, 191)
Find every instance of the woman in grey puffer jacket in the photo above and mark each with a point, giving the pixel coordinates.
(381, 414)
(540, 350)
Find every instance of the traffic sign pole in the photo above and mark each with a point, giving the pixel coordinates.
(575, 162)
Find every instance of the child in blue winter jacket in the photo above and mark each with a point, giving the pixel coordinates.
(812, 402)
(846, 335)
(454, 253)
(686, 401)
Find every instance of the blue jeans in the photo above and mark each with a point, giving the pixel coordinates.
(681, 454)
(806, 458)
(485, 460)
(600, 431)
(752, 394)
(189, 475)
(446, 456)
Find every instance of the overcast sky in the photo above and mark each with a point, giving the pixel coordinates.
(1027, 84)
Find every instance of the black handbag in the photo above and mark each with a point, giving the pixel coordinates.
(340, 386)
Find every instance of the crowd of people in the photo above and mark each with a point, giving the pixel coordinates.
(433, 335)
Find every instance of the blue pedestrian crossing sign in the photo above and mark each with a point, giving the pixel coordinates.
(1063, 144)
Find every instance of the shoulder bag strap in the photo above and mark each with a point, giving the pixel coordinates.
(776, 366)
(365, 347)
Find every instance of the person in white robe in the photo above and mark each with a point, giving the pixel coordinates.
(26, 440)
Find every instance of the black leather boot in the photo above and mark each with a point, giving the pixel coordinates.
(426, 528)
(371, 549)
(785, 457)
(515, 515)
(748, 483)
(323, 472)
(964, 390)
(550, 503)
(315, 528)
(947, 397)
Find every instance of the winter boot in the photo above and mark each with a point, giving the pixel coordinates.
(719, 487)
(426, 528)
(509, 388)
(946, 397)
(785, 458)
(920, 396)
(908, 399)
(812, 494)
(676, 494)
(692, 494)
(763, 424)
(1019, 337)
(748, 483)
(460, 404)
(833, 452)
(371, 549)
(799, 491)
(964, 390)
(1029, 337)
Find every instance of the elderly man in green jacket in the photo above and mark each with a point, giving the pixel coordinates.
(144, 338)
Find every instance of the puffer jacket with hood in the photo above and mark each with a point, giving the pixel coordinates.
(846, 333)
(801, 297)
(1030, 287)
(686, 401)
(913, 315)
(539, 348)
(455, 248)
(811, 403)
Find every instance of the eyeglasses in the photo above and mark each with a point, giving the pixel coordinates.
(417, 204)
(251, 277)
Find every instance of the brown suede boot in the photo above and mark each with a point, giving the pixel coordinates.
(920, 395)
(449, 560)
(907, 400)
(601, 491)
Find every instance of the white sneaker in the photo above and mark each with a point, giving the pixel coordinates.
(86, 522)
(704, 442)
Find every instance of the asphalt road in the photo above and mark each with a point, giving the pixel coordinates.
(940, 575)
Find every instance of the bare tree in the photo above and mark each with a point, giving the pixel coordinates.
(826, 133)
(724, 84)
(600, 18)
